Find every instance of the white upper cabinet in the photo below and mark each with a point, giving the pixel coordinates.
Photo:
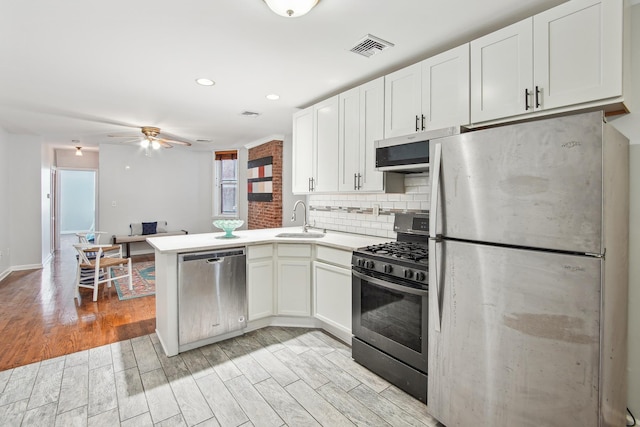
(402, 104)
(431, 94)
(565, 56)
(325, 145)
(502, 72)
(315, 144)
(577, 50)
(302, 151)
(445, 89)
(361, 124)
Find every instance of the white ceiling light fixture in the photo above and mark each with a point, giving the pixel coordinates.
(273, 97)
(205, 82)
(79, 151)
(291, 8)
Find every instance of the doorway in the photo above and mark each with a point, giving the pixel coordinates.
(75, 201)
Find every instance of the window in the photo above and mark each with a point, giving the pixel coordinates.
(226, 183)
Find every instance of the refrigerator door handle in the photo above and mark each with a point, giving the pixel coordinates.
(434, 237)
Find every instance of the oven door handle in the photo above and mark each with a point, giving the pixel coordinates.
(389, 285)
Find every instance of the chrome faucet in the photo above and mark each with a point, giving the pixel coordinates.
(305, 226)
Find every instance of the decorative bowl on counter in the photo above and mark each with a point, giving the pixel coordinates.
(228, 225)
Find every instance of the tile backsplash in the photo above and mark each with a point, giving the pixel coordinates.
(355, 213)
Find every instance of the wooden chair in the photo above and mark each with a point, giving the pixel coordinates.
(95, 269)
(93, 238)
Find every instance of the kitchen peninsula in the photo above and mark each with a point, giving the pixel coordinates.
(291, 281)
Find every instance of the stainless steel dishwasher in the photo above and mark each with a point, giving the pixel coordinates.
(212, 294)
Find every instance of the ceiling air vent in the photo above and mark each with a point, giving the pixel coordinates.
(370, 45)
(249, 114)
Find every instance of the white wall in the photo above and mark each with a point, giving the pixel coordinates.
(25, 194)
(5, 194)
(174, 185)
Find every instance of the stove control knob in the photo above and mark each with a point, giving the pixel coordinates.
(388, 268)
(369, 264)
(408, 274)
(360, 262)
(420, 276)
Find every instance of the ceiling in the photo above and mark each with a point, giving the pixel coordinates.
(78, 69)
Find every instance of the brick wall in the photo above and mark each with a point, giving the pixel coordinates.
(268, 214)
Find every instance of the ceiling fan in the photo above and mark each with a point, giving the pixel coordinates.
(153, 138)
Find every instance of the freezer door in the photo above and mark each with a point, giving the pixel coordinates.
(519, 337)
(536, 184)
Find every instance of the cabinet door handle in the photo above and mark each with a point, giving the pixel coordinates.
(359, 184)
(422, 122)
(309, 186)
(526, 99)
(417, 123)
(313, 184)
(355, 181)
(537, 97)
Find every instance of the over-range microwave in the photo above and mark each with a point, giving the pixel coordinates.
(409, 153)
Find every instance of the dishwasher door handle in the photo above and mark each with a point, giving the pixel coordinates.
(215, 260)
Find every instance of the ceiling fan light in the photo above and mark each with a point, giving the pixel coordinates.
(155, 145)
(291, 8)
(144, 143)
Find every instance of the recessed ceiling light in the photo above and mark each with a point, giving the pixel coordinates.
(273, 97)
(205, 82)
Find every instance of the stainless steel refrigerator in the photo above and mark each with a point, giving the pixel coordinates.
(528, 275)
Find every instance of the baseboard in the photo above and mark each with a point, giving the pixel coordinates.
(4, 274)
(26, 267)
(300, 322)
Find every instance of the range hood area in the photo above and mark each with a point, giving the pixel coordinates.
(409, 153)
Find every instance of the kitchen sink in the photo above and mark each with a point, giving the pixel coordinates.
(301, 235)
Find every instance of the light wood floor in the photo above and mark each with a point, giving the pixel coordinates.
(269, 377)
(40, 319)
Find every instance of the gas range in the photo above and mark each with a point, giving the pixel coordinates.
(407, 258)
(390, 300)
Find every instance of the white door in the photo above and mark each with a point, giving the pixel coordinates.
(402, 110)
(325, 128)
(502, 73)
(302, 150)
(445, 88)
(577, 54)
(371, 130)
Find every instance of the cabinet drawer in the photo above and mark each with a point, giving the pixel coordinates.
(294, 250)
(259, 251)
(334, 256)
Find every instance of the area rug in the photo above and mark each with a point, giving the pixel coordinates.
(144, 281)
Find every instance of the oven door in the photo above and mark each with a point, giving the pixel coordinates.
(392, 317)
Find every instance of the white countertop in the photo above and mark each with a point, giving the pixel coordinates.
(208, 241)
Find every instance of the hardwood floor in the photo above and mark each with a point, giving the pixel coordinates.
(40, 319)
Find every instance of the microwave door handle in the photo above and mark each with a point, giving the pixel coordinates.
(434, 237)
(393, 286)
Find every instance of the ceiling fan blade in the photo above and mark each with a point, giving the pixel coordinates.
(125, 135)
(163, 143)
(131, 141)
(175, 141)
(56, 111)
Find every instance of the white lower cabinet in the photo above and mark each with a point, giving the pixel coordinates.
(332, 288)
(260, 281)
(332, 295)
(294, 280)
